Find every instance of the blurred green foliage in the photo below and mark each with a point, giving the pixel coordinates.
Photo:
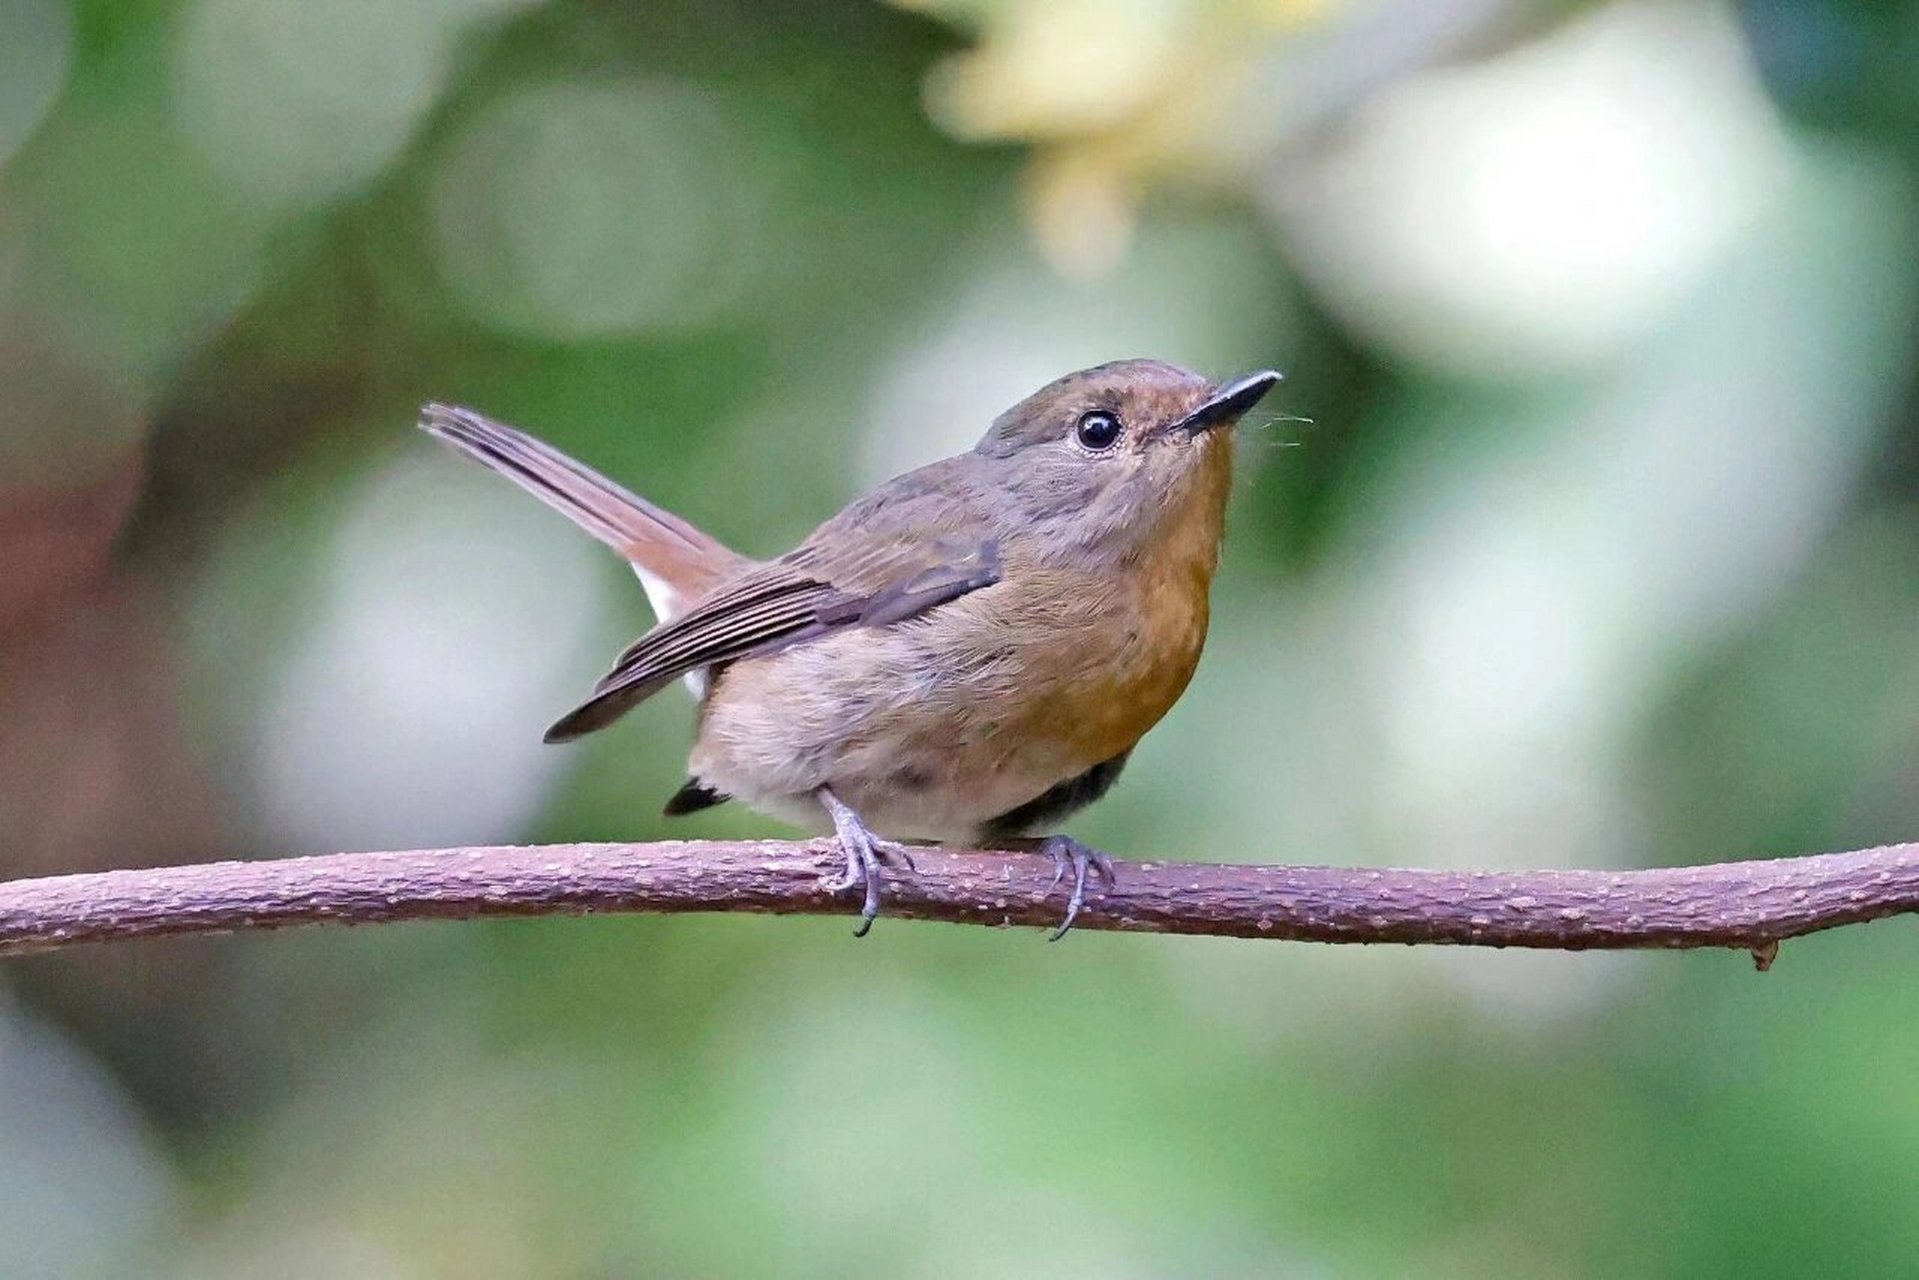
(1583, 534)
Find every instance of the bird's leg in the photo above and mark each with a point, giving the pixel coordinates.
(865, 853)
(1067, 852)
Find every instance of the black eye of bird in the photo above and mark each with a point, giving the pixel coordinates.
(1097, 430)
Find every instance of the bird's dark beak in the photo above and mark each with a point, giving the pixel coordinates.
(1231, 400)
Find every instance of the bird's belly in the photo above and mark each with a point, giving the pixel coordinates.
(933, 728)
(913, 762)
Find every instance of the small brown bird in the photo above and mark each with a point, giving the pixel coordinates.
(966, 654)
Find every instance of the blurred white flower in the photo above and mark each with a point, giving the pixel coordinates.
(1166, 98)
(1541, 209)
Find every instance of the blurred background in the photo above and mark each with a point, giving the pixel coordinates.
(1582, 534)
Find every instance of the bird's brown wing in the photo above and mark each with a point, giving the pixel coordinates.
(888, 558)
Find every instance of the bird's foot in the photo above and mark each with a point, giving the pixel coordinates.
(865, 854)
(1068, 853)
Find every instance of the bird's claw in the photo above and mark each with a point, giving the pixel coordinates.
(1067, 852)
(865, 854)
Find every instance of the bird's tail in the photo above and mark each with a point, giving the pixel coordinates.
(676, 562)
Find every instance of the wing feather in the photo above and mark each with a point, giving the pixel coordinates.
(878, 563)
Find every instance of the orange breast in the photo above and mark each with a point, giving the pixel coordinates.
(1098, 679)
(1107, 653)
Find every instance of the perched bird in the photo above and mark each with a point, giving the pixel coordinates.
(966, 654)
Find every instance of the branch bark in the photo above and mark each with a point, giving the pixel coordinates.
(1746, 905)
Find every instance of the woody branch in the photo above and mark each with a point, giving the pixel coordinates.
(1745, 905)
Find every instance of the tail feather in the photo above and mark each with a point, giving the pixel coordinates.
(676, 562)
